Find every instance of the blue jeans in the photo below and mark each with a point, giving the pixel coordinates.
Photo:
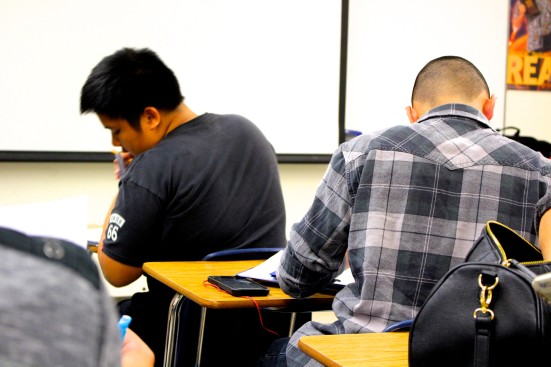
(275, 355)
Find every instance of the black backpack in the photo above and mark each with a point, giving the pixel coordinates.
(541, 146)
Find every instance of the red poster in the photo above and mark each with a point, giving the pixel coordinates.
(529, 50)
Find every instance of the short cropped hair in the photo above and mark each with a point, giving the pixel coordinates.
(123, 84)
(451, 76)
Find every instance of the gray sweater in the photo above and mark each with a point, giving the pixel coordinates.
(54, 310)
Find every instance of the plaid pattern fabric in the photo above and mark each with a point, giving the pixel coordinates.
(408, 203)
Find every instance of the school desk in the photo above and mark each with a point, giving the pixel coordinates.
(355, 350)
(187, 280)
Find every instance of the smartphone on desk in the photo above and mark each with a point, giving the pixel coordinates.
(237, 286)
(542, 285)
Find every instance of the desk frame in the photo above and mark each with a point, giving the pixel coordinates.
(186, 279)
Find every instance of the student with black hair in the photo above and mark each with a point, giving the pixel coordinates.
(196, 183)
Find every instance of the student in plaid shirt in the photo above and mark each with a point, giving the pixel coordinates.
(406, 205)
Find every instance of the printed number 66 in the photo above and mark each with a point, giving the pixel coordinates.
(112, 232)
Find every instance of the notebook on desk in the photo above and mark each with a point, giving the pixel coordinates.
(265, 272)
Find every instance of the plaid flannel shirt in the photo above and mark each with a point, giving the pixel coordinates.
(408, 203)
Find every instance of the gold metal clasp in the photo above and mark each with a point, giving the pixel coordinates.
(485, 297)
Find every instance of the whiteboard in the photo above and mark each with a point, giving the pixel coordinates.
(275, 62)
(389, 43)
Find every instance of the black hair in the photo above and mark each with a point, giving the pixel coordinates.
(123, 84)
(453, 75)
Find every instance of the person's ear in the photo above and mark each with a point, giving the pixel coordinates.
(151, 118)
(412, 114)
(488, 107)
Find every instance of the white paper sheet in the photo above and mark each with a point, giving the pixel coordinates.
(266, 272)
(64, 218)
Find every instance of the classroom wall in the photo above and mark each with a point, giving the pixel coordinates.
(530, 112)
(34, 182)
(22, 183)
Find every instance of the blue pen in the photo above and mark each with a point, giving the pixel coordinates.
(123, 325)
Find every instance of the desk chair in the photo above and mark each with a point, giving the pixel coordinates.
(404, 325)
(256, 253)
(243, 341)
(351, 134)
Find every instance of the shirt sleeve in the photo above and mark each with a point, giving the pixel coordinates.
(318, 243)
(134, 225)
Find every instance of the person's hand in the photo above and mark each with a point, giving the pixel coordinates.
(135, 353)
(121, 161)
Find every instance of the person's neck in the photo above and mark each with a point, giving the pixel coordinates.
(179, 116)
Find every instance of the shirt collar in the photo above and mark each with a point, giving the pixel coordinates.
(456, 109)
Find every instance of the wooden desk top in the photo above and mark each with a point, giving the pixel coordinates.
(187, 278)
(92, 247)
(355, 350)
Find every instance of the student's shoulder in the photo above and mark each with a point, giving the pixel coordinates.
(58, 252)
(235, 126)
(389, 138)
(231, 119)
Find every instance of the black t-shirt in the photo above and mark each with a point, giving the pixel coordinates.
(211, 184)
